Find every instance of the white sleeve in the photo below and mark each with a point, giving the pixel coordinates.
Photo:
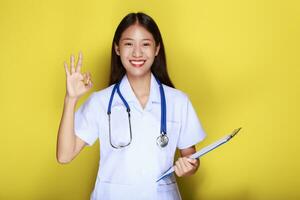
(85, 123)
(191, 131)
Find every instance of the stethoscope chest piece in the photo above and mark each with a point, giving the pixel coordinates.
(162, 140)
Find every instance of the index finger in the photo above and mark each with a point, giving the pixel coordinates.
(67, 69)
(79, 63)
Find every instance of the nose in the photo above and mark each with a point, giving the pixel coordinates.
(137, 51)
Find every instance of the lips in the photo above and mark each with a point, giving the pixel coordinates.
(137, 63)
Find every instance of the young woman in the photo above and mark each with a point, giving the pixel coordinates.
(140, 119)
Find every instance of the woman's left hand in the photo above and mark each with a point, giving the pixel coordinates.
(186, 166)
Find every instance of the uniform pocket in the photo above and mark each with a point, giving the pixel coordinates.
(111, 191)
(166, 187)
(168, 191)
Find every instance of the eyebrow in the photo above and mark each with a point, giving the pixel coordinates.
(133, 39)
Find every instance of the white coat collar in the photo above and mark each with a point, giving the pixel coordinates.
(128, 94)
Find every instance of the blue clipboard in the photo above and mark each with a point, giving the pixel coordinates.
(203, 151)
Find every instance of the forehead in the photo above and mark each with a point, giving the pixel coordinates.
(136, 32)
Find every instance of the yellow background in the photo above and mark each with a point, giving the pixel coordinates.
(237, 60)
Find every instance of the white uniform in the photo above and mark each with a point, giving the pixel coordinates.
(130, 173)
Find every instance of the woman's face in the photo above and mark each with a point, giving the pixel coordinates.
(137, 50)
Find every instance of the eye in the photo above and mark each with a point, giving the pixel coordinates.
(128, 44)
(147, 44)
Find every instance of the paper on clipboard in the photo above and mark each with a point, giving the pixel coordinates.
(203, 151)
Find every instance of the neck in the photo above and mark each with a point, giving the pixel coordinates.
(140, 87)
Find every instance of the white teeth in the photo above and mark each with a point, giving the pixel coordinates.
(137, 62)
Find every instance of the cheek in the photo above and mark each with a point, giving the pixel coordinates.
(123, 58)
(124, 54)
(150, 53)
(124, 62)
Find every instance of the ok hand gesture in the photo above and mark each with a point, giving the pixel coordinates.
(77, 83)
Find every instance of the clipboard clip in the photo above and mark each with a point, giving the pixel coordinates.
(234, 132)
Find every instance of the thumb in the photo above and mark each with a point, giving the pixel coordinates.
(193, 161)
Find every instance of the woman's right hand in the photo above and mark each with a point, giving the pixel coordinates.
(77, 83)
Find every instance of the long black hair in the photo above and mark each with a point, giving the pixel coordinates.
(159, 66)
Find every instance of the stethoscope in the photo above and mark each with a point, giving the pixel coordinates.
(161, 140)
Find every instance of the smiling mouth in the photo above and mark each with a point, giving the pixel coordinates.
(137, 63)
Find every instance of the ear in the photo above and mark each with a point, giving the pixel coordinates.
(117, 49)
(157, 49)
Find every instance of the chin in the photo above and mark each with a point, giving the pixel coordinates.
(138, 73)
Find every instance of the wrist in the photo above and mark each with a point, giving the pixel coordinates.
(71, 100)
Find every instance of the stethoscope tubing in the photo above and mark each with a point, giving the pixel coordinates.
(163, 123)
